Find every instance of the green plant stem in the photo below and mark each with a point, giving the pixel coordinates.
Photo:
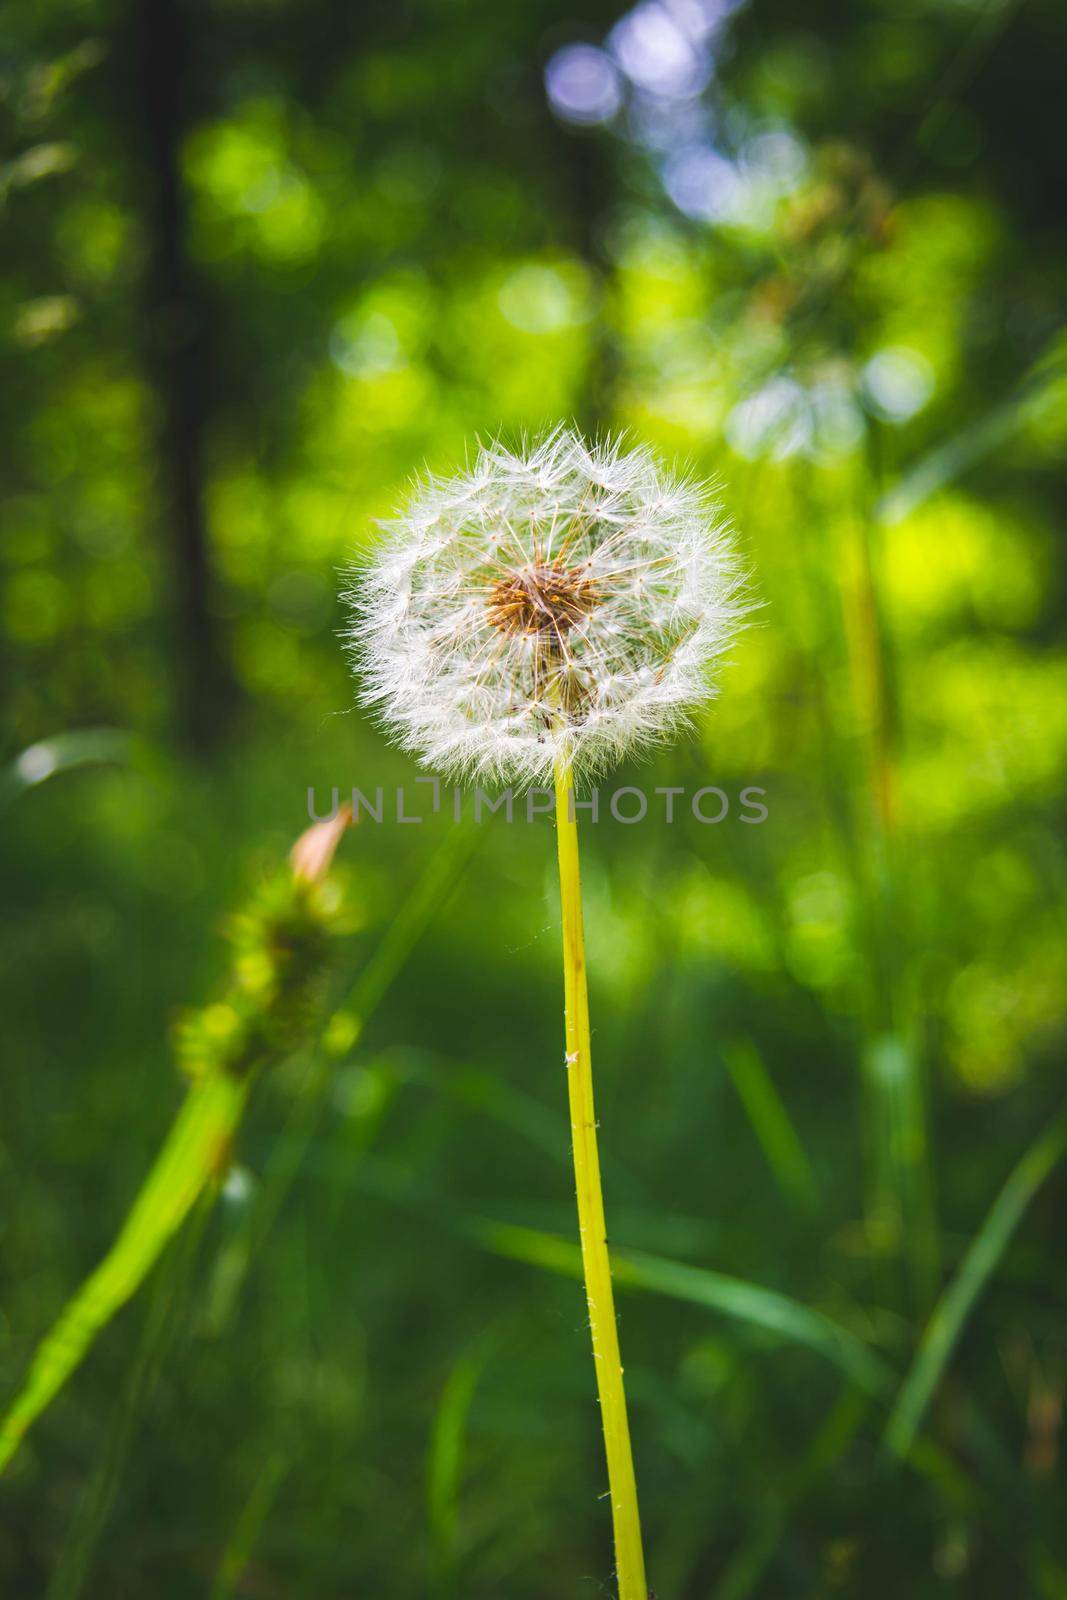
(596, 1264)
(196, 1149)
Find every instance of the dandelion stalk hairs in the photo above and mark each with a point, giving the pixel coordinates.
(535, 619)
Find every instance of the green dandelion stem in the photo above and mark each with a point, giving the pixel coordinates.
(596, 1263)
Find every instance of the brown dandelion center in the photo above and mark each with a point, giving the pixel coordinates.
(546, 600)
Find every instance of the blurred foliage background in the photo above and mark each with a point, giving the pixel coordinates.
(262, 261)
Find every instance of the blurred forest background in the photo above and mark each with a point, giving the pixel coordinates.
(263, 260)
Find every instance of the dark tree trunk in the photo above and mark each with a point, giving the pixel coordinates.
(179, 355)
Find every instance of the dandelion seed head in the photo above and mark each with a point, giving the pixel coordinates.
(568, 601)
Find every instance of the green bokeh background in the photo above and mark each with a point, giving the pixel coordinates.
(261, 262)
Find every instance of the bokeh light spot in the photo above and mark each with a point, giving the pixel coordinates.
(657, 53)
(540, 299)
(897, 383)
(583, 84)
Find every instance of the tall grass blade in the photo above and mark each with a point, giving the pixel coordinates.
(771, 1123)
(73, 1566)
(445, 1466)
(195, 1150)
(254, 1513)
(950, 1315)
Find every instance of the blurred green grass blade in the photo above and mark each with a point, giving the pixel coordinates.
(194, 1148)
(951, 460)
(735, 1298)
(157, 1335)
(731, 1297)
(747, 1568)
(441, 874)
(950, 1315)
(61, 753)
(254, 1513)
(771, 1123)
(902, 1217)
(487, 1094)
(445, 1464)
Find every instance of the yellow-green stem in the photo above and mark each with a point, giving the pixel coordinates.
(629, 1557)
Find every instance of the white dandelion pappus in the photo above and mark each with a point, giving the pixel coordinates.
(563, 603)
